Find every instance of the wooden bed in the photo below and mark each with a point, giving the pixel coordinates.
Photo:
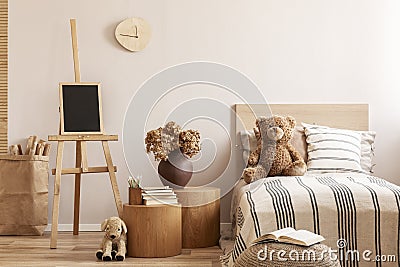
(358, 208)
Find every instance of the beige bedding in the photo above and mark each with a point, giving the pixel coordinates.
(360, 210)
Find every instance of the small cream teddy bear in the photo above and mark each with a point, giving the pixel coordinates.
(114, 240)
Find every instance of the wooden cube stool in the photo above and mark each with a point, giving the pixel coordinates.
(200, 216)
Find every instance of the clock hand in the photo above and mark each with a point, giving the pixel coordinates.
(129, 35)
(134, 36)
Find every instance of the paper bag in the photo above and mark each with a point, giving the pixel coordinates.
(24, 187)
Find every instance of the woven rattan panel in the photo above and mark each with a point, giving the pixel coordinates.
(3, 76)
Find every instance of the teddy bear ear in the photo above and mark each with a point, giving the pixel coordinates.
(291, 120)
(104, 225)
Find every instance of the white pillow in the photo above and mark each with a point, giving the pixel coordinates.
(367, 150)
(249, 143)
(332, 150)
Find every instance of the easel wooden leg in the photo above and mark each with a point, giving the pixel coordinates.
(113, 177)
(56, 200)
(77, 195)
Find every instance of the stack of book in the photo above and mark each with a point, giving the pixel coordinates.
(159, 195)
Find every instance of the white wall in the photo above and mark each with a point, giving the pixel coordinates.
(308, 51)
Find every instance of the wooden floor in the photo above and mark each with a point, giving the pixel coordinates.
(80, 251)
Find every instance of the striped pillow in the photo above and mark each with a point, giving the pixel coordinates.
(332, 150)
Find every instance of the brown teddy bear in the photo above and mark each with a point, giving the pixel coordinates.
(274, 155)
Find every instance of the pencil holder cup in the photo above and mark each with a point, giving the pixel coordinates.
(135, 196)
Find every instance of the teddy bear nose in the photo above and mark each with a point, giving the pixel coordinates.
(112, 236)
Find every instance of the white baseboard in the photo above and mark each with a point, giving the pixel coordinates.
(225, 228)
(82, 227)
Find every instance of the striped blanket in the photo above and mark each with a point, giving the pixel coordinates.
(357, 214)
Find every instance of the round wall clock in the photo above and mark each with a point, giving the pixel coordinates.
(133, 34)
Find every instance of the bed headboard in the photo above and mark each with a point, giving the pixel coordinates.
(345, 116)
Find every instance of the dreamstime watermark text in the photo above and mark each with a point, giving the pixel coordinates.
(341, 254)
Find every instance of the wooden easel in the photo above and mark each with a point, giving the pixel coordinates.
(81, 163)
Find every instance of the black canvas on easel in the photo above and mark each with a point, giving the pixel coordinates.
(81, 108)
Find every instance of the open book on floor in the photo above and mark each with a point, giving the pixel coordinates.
(291, 236)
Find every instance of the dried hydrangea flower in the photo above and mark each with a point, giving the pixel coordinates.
(189, 141)
(154, 144)
(170, 137)
(163, 141)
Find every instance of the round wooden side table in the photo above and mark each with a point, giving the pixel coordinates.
(153, 231)
(200, 216)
